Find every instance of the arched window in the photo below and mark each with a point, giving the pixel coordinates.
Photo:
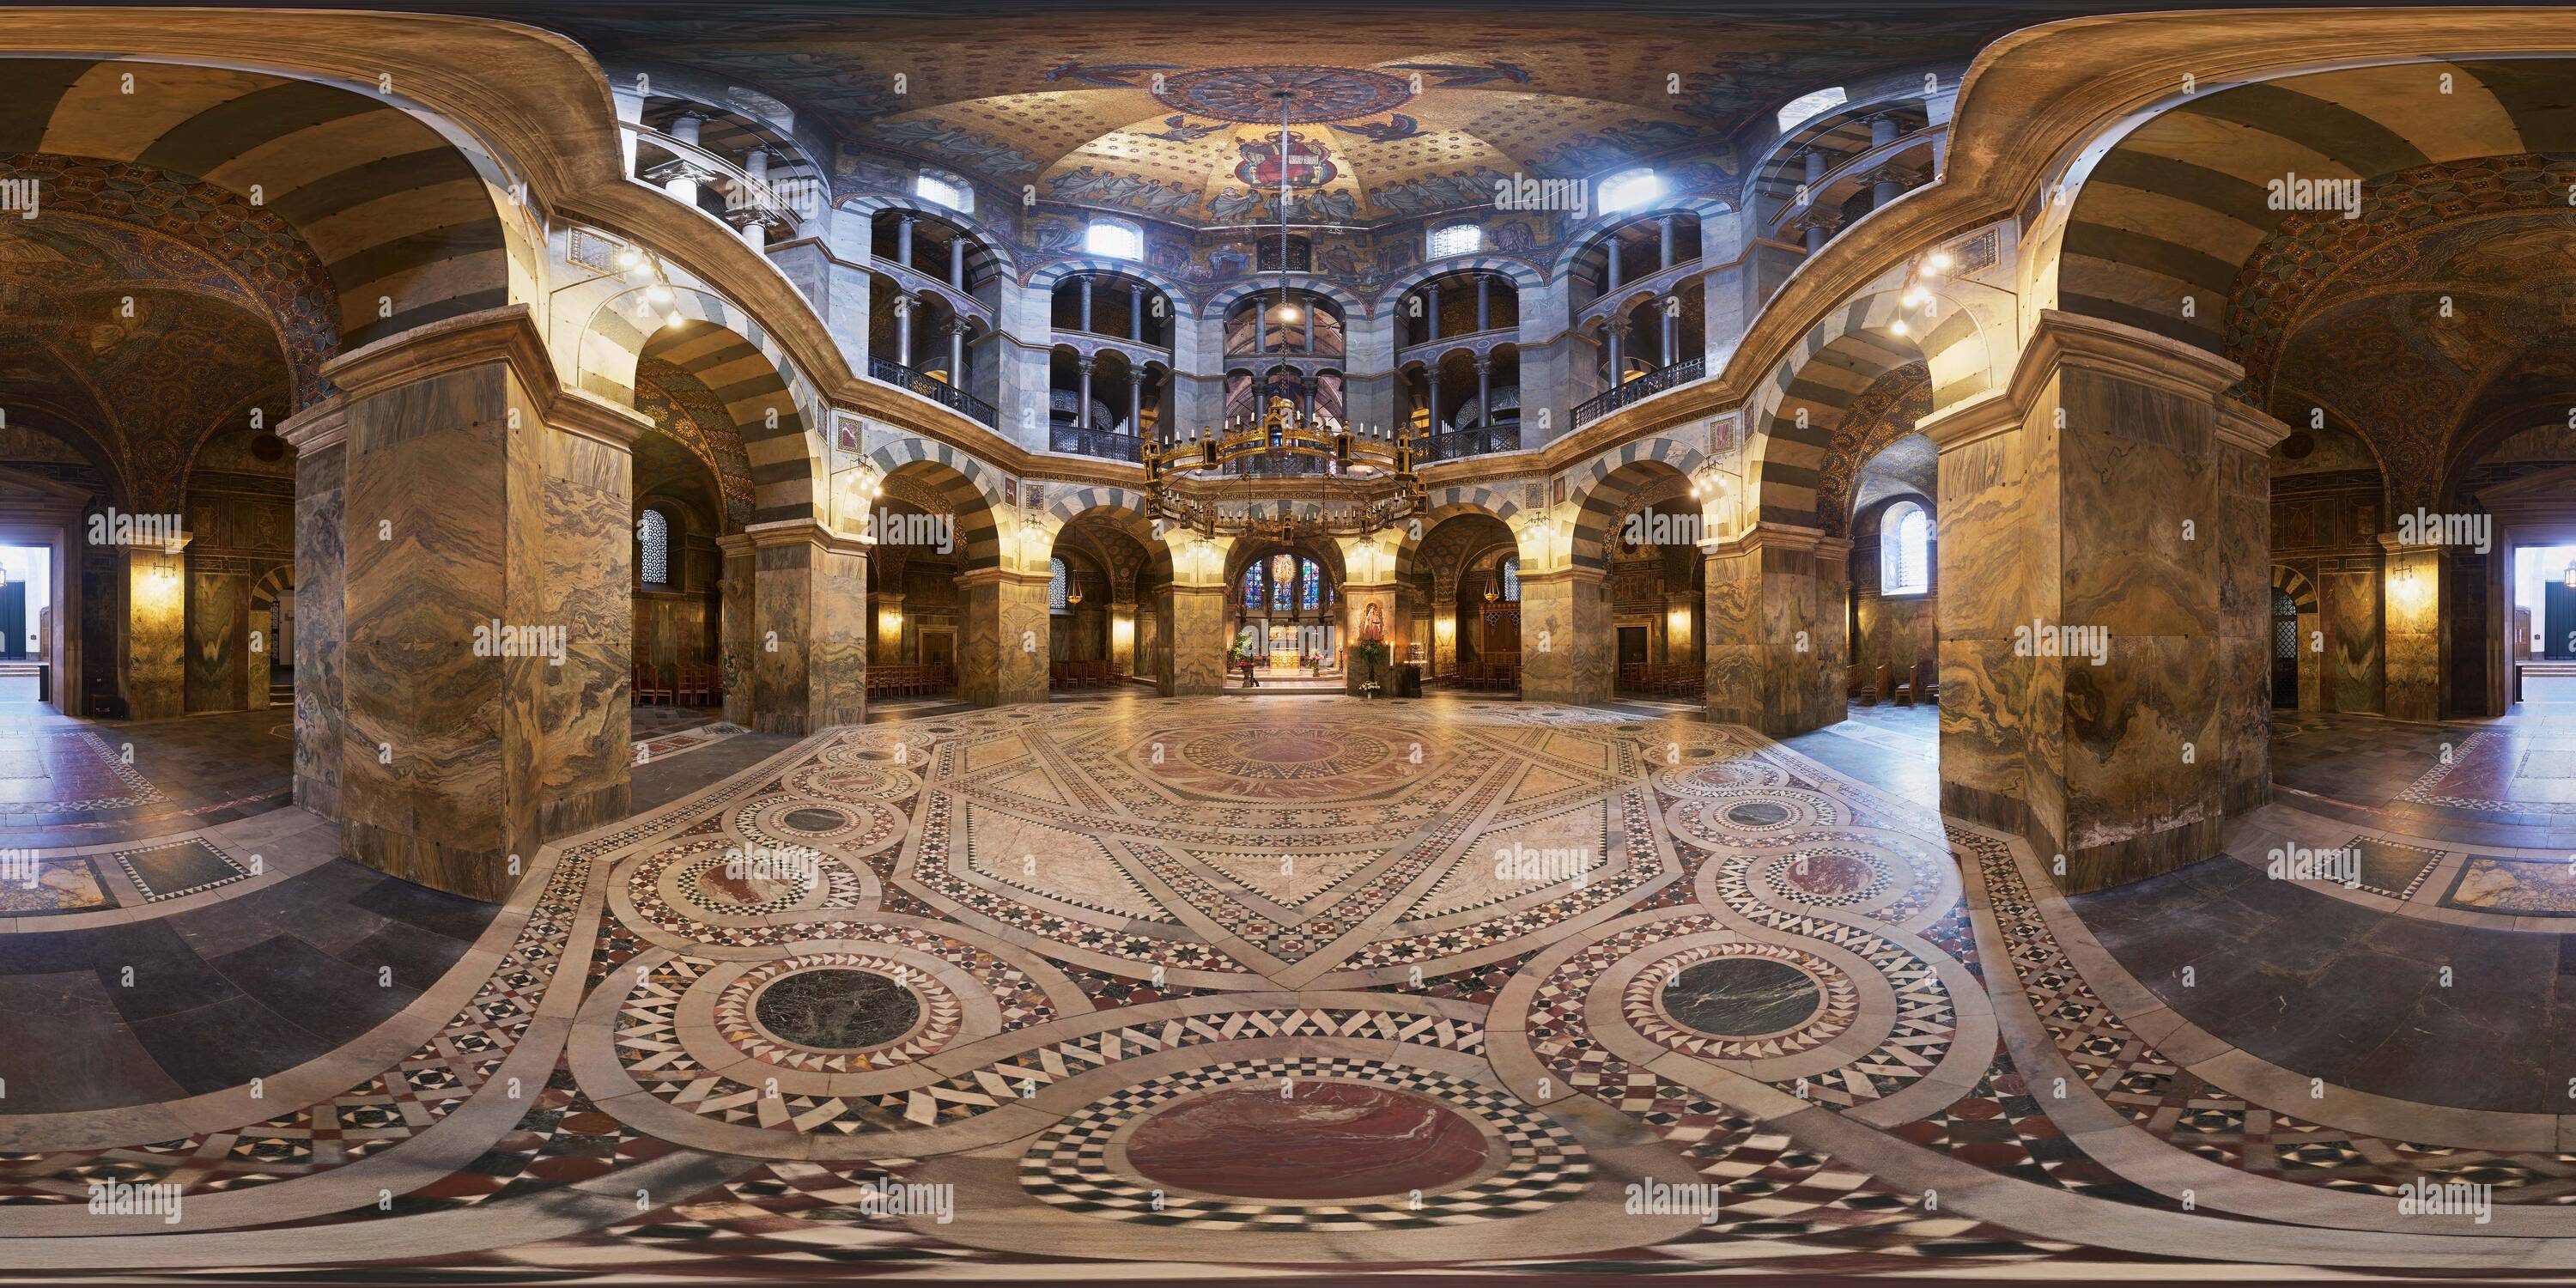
(1253, 587)
(653, 548)
(1905, 550)
(1283, 582)
(1629, 189)
(1456, 239)
(946, 189)
(1797, 110)
(1115, 238)
(1511, 570)
(1056, 588)
(1310, 586)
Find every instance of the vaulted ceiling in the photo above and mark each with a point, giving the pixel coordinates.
(1394, 110)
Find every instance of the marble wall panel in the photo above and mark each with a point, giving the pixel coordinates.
(424, 775)
(2349, 602)
(2412, 617)
(2139, 509)
(2312, 662)
(1190, 640)
(2143, 758)
(782, 624)
(839, 680)
(155, 643)
(1991, 698)
(319, 573)
(218, 640)
(1896, 632)
(2245, 644)
(1777, 637)
(579, 548)
(736, 638)
(1004, 641)
(1567, 641)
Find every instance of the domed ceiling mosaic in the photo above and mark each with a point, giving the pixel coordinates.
(1392, 112)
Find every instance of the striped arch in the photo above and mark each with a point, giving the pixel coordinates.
(1447, 503)
(1601, 486)
(401, 209)
(971, 489)
(2180, 204)
(1525, 275)
(986, 240)
(2290, 581)
(745, 366)
(1124, 509)
(1579, 240)
(1045, 277)
(1352, 305)
(265, 591)
(1828, 368)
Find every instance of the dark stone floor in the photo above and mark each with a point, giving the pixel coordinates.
(2336, 990)
(61, 781)
(208, 998)
(1894, 749)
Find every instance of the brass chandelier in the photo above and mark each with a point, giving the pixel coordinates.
(1361, 482)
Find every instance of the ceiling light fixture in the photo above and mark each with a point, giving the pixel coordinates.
(1287, 308)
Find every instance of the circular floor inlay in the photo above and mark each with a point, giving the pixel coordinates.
(1328, 1141)
(837, 1010)
(1829, 875)
(1741, 996)
(815, 820)
(1758, 813)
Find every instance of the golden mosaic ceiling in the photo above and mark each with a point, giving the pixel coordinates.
(1169, 113)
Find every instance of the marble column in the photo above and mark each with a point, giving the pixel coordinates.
(1002, 652)
(1777, 645)
(319, 437)
(155, 644)
(2411, 626)
(796, 627)
(1566, 637)
(485, 622)
(1122, 637)
(2103, 683)
(1190, 623)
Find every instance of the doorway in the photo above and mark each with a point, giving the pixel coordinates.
(2285, 651)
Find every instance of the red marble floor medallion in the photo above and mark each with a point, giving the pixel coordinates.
(1329, 1141)
(1829, 875)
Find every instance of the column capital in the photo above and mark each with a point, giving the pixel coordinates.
(322, 426)
(2240, 424)
(1778, 536)
(792, 532)
(1085, 363)
(505, 334)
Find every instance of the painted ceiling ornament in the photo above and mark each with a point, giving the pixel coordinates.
(1249, 95)
(1302, 163)
(1117, 75)
(1178, 129)
(1460, 76)
(1398, 126)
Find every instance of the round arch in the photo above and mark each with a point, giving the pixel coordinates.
(775, 411)
(1523, 274)
(1611, 483)
(970, 488)
(867, 206)
(1582, 238)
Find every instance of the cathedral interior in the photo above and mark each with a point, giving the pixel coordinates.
(1035, 643)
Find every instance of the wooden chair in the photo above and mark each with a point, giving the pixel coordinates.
(1927, 682)
(648, 688)
(1858, 684)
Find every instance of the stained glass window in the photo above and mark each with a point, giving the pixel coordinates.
(1512, 578)
(1056, 588)
(1252, 587)
(653, 537)
(1310, 586)
(1283, 582)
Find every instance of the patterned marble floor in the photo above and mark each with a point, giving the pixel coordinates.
(1125, 989)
